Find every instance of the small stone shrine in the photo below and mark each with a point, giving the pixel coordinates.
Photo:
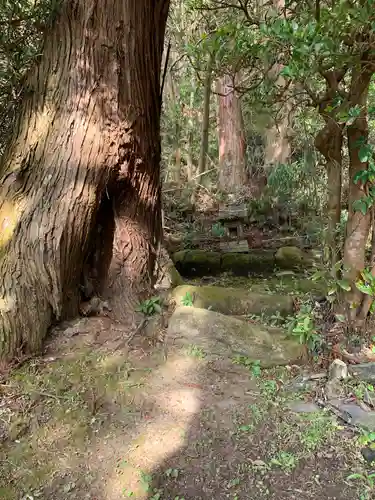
(234, 216)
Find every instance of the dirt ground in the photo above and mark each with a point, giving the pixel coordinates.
(93, 419)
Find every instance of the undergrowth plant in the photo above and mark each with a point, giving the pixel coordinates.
(187, 300)
(366, 285)
(367, 439)
(334, 284)
(218, 230)
(253, 366)
(303, 328)
(151, 306)
(367, 481)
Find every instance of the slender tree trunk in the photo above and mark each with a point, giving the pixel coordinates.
(358, 225)
(190, 167)
(368, 299)
(176, 155)
(232, 144)
(206, 118)
(329, 143)
(82, 168)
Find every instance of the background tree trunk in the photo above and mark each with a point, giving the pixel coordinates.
(176, 150)
(329, 143)
(278, 150)
(82, 167)
(232, 144)
(205, 119)
(277, 142)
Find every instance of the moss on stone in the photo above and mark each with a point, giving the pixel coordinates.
(293, 284)
(175, 276)
(233, 301)
(253, 263)
(226, 337)
(197, 262)
(293, 258)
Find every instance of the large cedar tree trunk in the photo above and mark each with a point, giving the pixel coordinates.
(277, 143)
(82, 169)
(232, 144)
(278, 148)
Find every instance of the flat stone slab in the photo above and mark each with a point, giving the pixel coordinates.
(233, 211)
(232, 301)
(355, 415)
(364, 371)
(303, 407)
(220, 336)
(300, 383)
(241, 246)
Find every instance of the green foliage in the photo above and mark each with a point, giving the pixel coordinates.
(302, 327)
(174, 473)
(367, 480)
(366, 285)
(23, 23)
(253, 366)
(218, 229)
(195, 351)
(334, 285)
(365, 177)
(151, 306)
(145, 480)
(187, 300)
(297, 185)
(286, 461)
(367, 439)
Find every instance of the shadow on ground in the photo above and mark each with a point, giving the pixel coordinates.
(95, 420)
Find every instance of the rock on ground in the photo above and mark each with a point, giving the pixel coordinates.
(338, 370)
(234, 301)
(364, 372)
(221, 336)
(355, 415)
(293, 257)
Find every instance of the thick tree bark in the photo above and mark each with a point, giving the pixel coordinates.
(82, 168)
(358, 225)
(232, 144)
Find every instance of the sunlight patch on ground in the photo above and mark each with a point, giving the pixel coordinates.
(163, 435)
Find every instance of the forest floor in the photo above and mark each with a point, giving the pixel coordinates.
(94, 419)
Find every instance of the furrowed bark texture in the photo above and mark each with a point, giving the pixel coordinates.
(87, 131)
(232, 144)
(136, 191)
